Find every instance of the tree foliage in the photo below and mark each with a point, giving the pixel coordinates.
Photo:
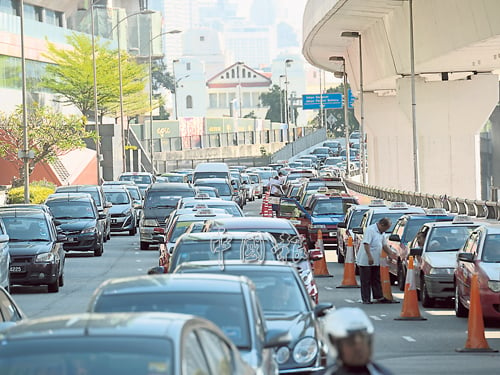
(71, 76)
(274, 100)
(49, 133)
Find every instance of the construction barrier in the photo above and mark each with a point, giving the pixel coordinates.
(410, 310)
(476, 341)
(349, 280)
(385, 279)
(265, 203)
(320, 268)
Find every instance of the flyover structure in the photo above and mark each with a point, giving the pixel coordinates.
(456, 53)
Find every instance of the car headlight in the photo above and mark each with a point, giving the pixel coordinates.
(45, 257)
(494, 285)
(127, 212)
(317, 226)
(88, 230)
(305, 350)
(442, 271)
(282, 355)
(149, 223)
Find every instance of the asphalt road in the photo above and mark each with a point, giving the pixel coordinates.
(406, 347)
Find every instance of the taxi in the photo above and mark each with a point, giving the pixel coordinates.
(403, 233)
(436, 258)
(480, 254)
(352, 219)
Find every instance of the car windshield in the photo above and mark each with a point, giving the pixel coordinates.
(26, 229)
(449, 238)
(117, 197)
(71, 210)
(329, 207)
(135, 193)
(103, 355)
(179, 229)
(93, 193)
(356, 218)
(227, 310)
(222, 188)
(394, 216)
(138, 179)
(161, 199)
(491, 249)
(253, 178)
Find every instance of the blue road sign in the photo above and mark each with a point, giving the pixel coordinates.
(327, 101)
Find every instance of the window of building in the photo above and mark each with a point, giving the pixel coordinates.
(247, 100)
(223, 100)
(212, 99)
(227, 74)
(233, 75)
(188, 66)
(255, 99)
(32, 12)
(189, 101)
(8, 6)
(202, 38)
(222, 77)
(243, 72)
(53, 18)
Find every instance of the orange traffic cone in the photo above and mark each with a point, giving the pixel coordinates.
(385, 279)
(319, 268)
(476, 341)
(349, 280)
(409, 310)
(265, 202)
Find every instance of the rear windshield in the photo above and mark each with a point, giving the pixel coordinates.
(72, 209)
(198, 175)
(222, 188)
(138, 179)
(162, 199)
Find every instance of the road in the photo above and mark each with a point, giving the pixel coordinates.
(406, 347)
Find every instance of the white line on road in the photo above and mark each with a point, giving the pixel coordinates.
(350, 301)
(138, 260)
(409, 338)
(328, 288)
(375, 317)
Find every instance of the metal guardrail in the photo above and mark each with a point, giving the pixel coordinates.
(299, 144)
(475, 208)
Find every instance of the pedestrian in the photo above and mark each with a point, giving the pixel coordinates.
(368, 260)
(275, 191)
(350, 339)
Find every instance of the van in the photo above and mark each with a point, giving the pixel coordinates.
(212, 170)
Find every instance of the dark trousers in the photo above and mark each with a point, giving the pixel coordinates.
(370, 282)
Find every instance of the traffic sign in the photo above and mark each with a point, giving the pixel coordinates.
(326, 101)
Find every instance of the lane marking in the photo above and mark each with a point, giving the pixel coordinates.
(328, 288)
(349, 300)
(375, 317)
(138, 260)
(409, 338)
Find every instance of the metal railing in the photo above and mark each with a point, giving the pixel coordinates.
(472, 207)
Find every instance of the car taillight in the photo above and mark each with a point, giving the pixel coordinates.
(159, 230)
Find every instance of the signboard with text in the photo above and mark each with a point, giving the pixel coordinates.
(326, 101)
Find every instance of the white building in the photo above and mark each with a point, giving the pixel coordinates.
(191, 93)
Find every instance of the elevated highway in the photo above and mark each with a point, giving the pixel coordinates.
(456, 60)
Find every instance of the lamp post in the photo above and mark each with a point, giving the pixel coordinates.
(96, 108)
(150, 58)
(175, 87)
(281, 100)
(355, 34)
(238, 74)
(287, 112)
(25, 152)
(416, 168)
(120, 79)
(346, 112)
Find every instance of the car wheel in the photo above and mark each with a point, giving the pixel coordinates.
(144, 245)
(427, 301)
(61, 279)
(340, 256)
(132, 231)
(98, 250)
(401, 277)
(460, 310)
(108, 237)
(54, 287)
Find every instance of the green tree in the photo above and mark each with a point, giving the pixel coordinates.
(338, 128)
(49, 133)
(273, 100)
(71, 76)
(161, 79)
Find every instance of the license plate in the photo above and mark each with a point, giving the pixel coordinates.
(72, 239)
(16, 269)
(114, 221)
(332, 234)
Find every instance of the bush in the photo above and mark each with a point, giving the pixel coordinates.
(39, 191)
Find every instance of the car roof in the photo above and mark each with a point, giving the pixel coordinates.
(173, 283)
(212, 180)
(77, 187)
(268, 265)
(170, 186)
(490, 228)
(153, 324)
(452, 224)
(197, 215)
(70, 197)
(210, 236)
(253, 222)
(14, 212)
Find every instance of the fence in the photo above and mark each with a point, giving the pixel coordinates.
(299, 144)
(471, 207)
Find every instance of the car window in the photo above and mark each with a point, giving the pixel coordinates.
(193, 359)
(449, 238)
(72, 210)
(25, 228)
(134, 192)
(491, 249)
(218, 353)
(117, 197)
(8, 312)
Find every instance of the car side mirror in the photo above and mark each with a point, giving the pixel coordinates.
(321, 308)
(137, 206)
(158, 270)
(358, 230)
(466, 257)
(341, 225)
(108, 205)
(416, 251)
(61, 237)
(102, 216)
(395, 238)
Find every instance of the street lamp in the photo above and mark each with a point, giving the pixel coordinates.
(287, 61)
(355, 34)
(346, 112)
(238, 74)
(151, 38)
(281, 99)
(96, 108)
(117, 27)
(24, 154)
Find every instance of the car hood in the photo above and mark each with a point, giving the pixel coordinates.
(445, 259)
(324, 219)
(298, 325)
(159, 214)
(76, 224)
(29, 248)
(492, 270)
(119, 208)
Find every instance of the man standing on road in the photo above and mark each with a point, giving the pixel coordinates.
(368, 260)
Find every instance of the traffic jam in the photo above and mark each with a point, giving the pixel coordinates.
(241, 280)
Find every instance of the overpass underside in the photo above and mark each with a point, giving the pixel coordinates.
(456, 57)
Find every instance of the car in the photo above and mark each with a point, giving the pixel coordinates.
(36, 249)
(479, 255)
(119, 343)
(333, 161)
(436, 258)
(4, 257)
(97, 193)
(122, 211)
(228, 301)
(211, 170)
(249, 187)
(223, 186)
(334, 146)
(137, 199)
(255, 180)
(239, 193)
(404, 232)
(290, 246)
(10, 312)
(174, 177)
(161, 198)
(142, 179)
(210, 191)
(285, 303)
(265, 176)
(80, 221)
(322, 153)
(231, 207)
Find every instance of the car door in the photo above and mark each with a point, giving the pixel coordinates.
(465, 270)
(397, 246)
(193, 360)
(220, 356)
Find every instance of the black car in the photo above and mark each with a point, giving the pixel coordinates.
(286, 306)
(97, 193)
(36, 249)
(79, 220)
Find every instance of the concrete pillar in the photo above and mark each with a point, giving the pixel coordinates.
(450, 115)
